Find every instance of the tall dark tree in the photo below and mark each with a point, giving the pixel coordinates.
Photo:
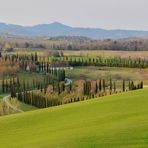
(3, 86)
(111, 85)
(123, 85)
(100, 85)
(114, 87)
(104, 85)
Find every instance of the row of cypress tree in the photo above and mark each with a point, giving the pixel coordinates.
(41, 100)
(103, 86)
(15, 85)
(44, 63)
(105, 61)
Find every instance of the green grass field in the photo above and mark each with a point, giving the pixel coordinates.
(28, 77)
(113, 121)
(107, 72)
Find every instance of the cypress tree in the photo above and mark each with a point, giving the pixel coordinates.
(84, 88)
(132, 86)
(36, 57)
(103, 85)
(28, 87)
(24, 86)
(63, 86)
(3, 86)
(100, 85)
(123, 85)
(33, 83)
(6, 85)
(53, 85)
(47, 67)
(32, 96)
(58, 87)
(129, 85)
(42, 67)
(41, 88)
(111, 85)
(114, 87)
(96, 89)
(70, 86)
(13, 81)
(18, 84)
(141, 85)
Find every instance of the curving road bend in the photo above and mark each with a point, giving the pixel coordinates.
(68, 81)
(14, 108)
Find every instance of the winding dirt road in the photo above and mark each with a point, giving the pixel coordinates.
(14, 108)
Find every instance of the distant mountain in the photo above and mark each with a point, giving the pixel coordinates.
(57, 29)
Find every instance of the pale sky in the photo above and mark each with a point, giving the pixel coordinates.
(107, 14)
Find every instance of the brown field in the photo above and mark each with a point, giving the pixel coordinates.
(108, 53)
(90, 53)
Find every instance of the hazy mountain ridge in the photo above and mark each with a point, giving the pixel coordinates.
(58, 29)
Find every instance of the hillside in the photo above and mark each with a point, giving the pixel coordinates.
(113, 121)
(58, 29)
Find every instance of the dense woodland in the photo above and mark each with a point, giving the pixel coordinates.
(75, 43)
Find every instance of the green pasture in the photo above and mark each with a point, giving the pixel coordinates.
(115, 121)
(115, 73)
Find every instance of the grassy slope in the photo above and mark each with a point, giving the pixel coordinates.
(114, 121)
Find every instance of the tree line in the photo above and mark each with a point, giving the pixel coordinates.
(104, 61)
(41, 99)
(41, 63)
(77, 43)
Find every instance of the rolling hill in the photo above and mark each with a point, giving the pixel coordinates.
(114, 121)
(58, 29)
